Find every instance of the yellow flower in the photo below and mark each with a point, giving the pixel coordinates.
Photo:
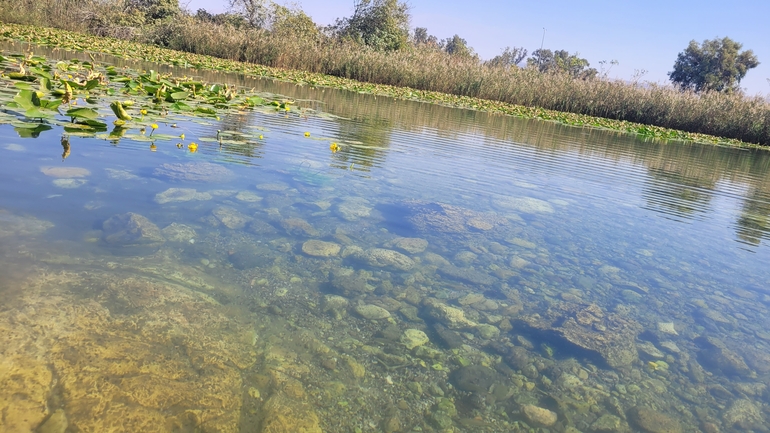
(154, 126)
(334, 147)
(307, 134)
(179, 145)
(181, 136)
(193, 147)
(261, 136)
(143, 112)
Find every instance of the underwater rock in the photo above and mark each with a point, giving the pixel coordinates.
(667, 328)
(468, 275)
(230, 217)
(474, 378)
(65, 172)
(524, 205)
(249, 255)
(372, 312)
(487, 332)
(353, 209)
(318, 248)
(414, 338)
(653, 422)
(273, 187)
(298, 227)
(451, 339)
(176, 232)
(132, 231)
(453, 318)
(432, 216)
(281, 414)
(350, 284)
(409, 245)
(384, 258)
(15, 225)
(194, 172)
(69, 183)
(336, 306)
(649, 350)
(715, 356)
(56, 423)
(539, 416)
(609, 423)
(744, 414)
(607, 339)
(247, 197)
(176, 195)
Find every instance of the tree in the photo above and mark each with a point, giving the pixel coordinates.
(154, 9)
(458, 47)
(717, 64)
(561, 61)
(293, 22)
(510, 57)
(421, 37)
(255, 12)
(380, 24)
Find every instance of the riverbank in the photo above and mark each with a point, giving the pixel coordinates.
(750, 129)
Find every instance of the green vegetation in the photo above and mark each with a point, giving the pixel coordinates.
(369, 52)
(716, 65)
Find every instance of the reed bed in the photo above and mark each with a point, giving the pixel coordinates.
(734, 116)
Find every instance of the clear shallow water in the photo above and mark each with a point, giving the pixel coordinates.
(620, 284)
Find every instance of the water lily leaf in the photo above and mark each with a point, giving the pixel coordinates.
(27, 99)
(32, 132)
(91, 84)
(82, 113)
(181, 106)
(22, 77)
(50, 104)
(41, 73)
(205, 110)
(179, 95)
(23, 85)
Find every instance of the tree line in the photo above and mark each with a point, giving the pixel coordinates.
(384, 25)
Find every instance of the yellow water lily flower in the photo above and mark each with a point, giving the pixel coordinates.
(334, 147)
(179, 145)
(261, 136)
(307, 134)
(193, 147)
(154, 126)
(181, 136)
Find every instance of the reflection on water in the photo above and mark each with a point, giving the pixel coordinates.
(446, 270)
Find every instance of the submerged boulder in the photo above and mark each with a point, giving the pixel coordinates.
(132, 232)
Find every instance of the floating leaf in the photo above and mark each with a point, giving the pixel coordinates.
(179, 95)
(82, 113)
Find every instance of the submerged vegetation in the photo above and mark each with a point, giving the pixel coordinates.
(285, 44)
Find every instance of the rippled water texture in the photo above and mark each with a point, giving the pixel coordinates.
(445, 270)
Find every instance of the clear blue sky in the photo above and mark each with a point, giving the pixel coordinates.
(639, 35)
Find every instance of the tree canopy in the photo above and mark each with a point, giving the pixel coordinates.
(561, 61)
(716, 64)
(380, 24)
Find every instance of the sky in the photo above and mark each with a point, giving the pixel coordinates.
(641, 36)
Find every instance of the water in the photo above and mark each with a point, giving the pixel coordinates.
(616, 282)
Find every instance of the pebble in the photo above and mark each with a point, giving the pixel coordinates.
(372, 312)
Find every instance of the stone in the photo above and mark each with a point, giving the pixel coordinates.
(351, 284)
(409, 245)
(194, 172)
(230, 218)
(667, 328)
(649, 350)
(518, 262)
(247, 197)
(372, 312)
(468, 275)
(470, 299)
(414, 338)
(56, 423)
(249, 256)
(353, 209)
(132, 231)
(524, 205)
(177, 195)
(744, 414)
(318, 248)
(520, 242)
(716, 356)
(444, 218)
(539, 416)
(384, 258)
(474, 378)
(608, 423)
(69, 183)
(652, 421)
(281, 414)
(65, 172)
(298, 227)
(451, 317)
(451, 339)
(335, 305)
(16, 225)
(181, 233)
(487, 332)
